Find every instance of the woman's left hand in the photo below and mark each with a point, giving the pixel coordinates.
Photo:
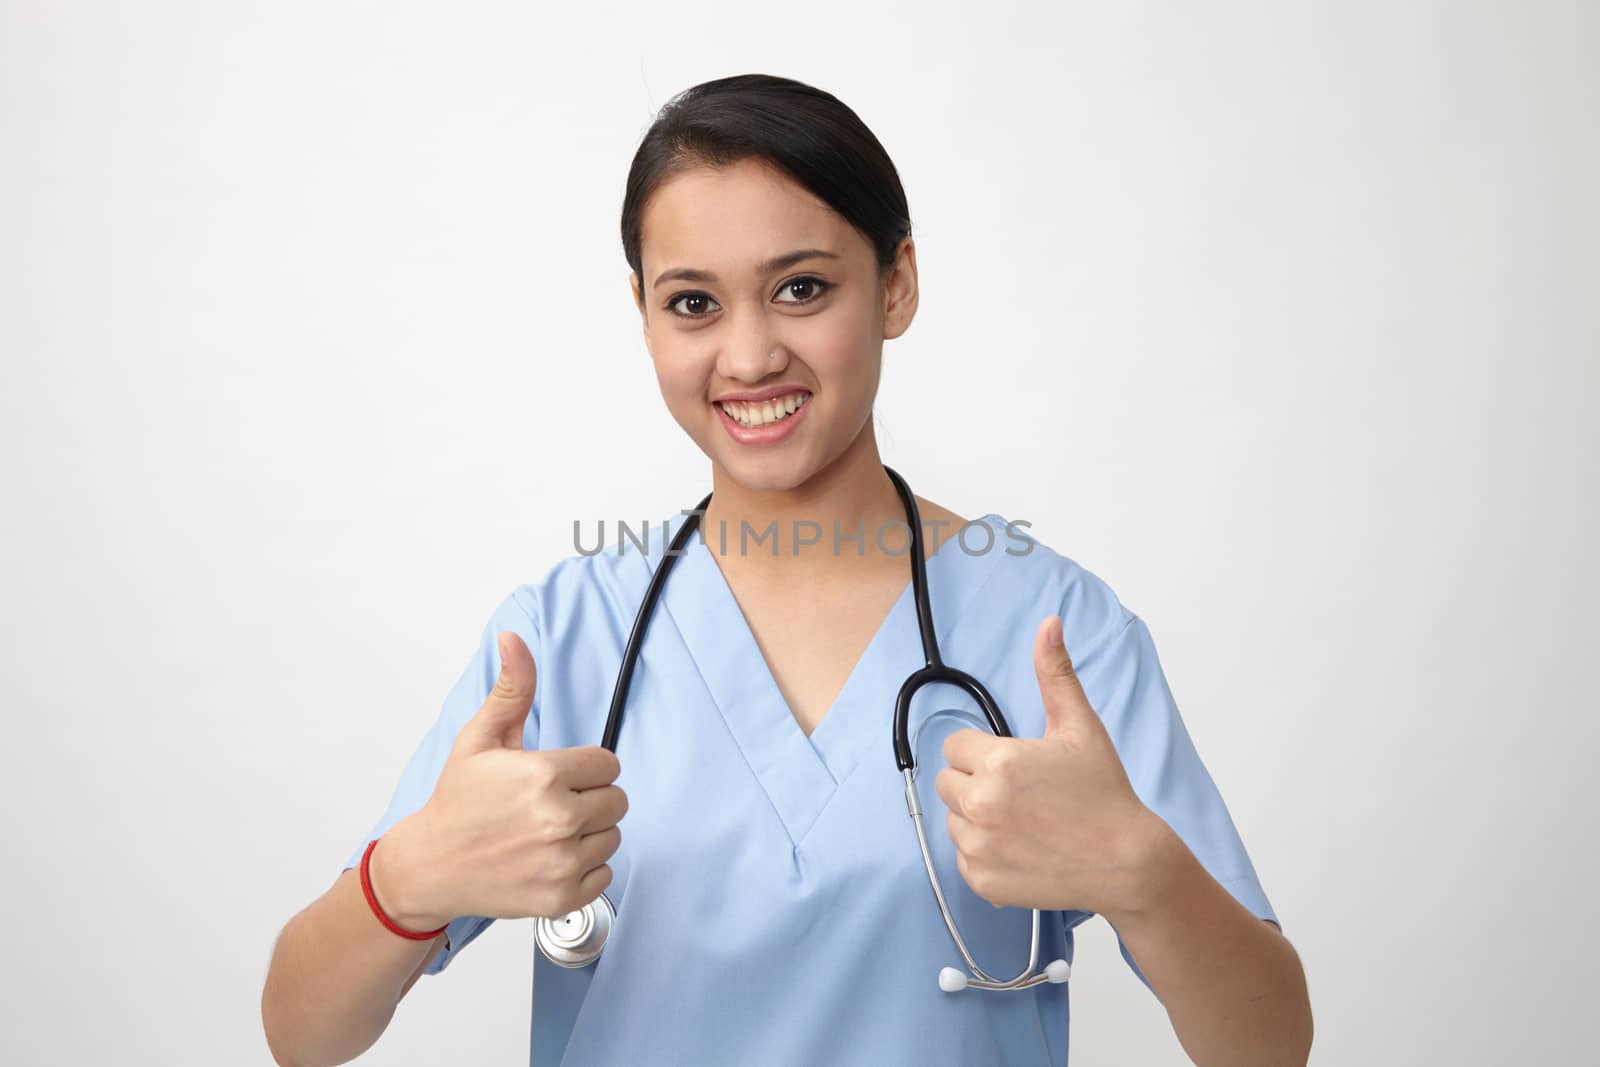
(1050, 822)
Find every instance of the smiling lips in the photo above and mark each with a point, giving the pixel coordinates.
(753, 414)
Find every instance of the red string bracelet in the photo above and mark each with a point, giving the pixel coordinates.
(372, 899)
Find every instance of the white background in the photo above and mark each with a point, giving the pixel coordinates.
(1280, 317)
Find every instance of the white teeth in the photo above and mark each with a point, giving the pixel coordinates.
(767, 411)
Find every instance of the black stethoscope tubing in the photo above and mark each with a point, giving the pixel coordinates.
(933, 670)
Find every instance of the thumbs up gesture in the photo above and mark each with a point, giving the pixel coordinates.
(1050, 822)
(508, 832)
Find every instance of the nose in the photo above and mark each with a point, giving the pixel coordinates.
(752, 352)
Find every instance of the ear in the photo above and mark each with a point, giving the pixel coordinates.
(900, 291)
(638, 302)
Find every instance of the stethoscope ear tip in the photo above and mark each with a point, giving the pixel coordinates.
(951, 980)
(1058, 971)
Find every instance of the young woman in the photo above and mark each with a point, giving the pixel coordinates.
(769, 902)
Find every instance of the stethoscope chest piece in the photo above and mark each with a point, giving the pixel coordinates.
(576, 938)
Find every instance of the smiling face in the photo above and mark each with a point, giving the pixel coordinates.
(754, 288)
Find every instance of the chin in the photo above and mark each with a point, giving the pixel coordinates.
(766, 473)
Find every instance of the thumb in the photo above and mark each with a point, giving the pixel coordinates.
(1064, 699)
(500, 720)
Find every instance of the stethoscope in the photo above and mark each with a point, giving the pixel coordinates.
(577, 938)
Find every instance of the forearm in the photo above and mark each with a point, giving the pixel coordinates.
(337, 974)
(1232, 984)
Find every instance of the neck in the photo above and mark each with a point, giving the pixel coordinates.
(854, 491)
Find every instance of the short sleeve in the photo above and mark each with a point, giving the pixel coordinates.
(1124, 683)
(518, 612)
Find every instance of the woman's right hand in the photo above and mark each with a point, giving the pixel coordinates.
(509, 832)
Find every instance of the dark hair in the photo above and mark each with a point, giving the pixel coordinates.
(803, 131)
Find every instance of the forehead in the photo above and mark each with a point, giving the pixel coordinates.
(727, 219)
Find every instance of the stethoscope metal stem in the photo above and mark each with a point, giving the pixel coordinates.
(984, 980)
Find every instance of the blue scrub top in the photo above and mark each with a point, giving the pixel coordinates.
(772, 904)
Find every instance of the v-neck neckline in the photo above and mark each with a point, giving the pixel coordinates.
(801, 773)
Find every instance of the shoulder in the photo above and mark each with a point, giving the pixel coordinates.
(610, 569)
(1030, 571)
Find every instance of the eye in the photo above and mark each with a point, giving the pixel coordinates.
(672, 305)
(805, 281)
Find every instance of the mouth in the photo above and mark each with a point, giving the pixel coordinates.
(755, 414)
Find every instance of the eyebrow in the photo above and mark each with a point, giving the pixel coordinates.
(788, 259)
